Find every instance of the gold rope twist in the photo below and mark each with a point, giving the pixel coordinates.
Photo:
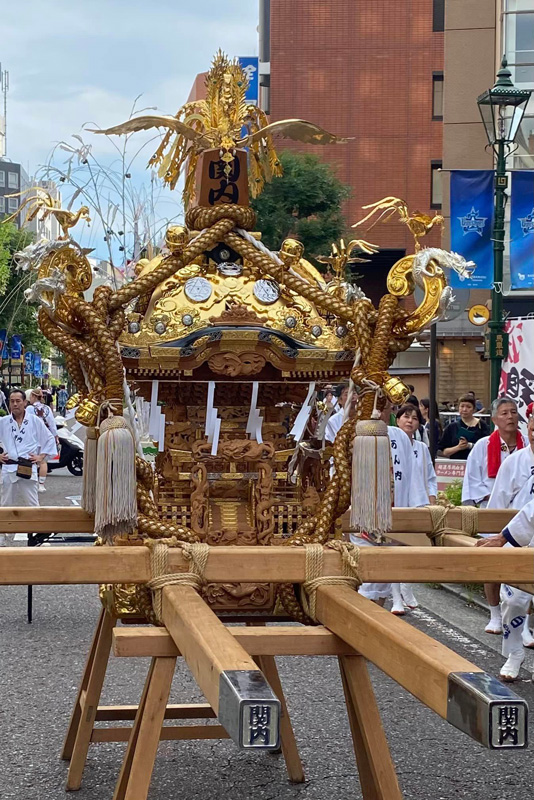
(438, 517)
(314, 572)
(197, 555)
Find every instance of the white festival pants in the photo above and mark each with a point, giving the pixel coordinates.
(21, 492)
(514, 608)
(373, 591)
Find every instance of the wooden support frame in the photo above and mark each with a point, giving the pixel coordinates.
(375, 766)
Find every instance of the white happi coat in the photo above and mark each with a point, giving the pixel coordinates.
(32, 437)
(477, 484)
(520, 530)
(423, 472)
(409, 491)
(514, 484)
(47, 417)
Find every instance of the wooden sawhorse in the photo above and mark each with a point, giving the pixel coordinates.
(377, 774)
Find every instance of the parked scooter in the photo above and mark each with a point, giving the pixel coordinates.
(70, 450)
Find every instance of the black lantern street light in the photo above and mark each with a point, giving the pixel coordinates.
(502, 109)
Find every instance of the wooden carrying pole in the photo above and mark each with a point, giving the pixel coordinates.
(230, 679)
(20, 566)
(457, 690)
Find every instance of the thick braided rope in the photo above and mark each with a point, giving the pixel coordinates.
(438, 516)
(314, 572)
(197, 554)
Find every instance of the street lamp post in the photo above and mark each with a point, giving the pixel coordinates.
(502, 109)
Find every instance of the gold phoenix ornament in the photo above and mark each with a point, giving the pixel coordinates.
(45, 202)
(418, 224)
(218, 122)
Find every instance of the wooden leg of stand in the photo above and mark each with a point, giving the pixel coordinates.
(267, 664)
(70, 738)
(375, 766)
(138, 764)
(89, 702)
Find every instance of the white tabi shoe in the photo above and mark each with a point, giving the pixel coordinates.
(527, 637)
(397, 607)
(511, 667)
(494, 626)
(408, 596)
(41, 488)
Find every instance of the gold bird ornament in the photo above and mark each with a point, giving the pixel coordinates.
(224, 120)
(419, 224)
(45, 203)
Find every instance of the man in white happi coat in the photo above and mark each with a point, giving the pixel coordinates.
(408, 493)
(481, 470)
(514, 488)
(518, 533)
(25, 436)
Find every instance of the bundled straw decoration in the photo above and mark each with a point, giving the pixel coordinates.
(116, 510)
(89, 470)
(371, 499)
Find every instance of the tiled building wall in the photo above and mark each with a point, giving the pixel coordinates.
(363, 70)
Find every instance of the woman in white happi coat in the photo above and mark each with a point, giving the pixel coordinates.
(518, 533)
(22, 435)
(37, 405)
(407, 492)
(424, 481)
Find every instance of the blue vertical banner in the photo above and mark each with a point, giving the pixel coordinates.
(471, 225)
(37, 365)
(16, 347)
(522, 230)
(28, 362)
(250, 66)
(3, 344)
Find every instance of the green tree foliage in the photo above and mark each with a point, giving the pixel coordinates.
(16, 315)
(304, 203)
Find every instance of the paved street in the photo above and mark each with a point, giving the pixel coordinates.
(42, 663)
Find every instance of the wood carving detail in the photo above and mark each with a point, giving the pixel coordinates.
(235, 450)
(237, 315)
(234, 364)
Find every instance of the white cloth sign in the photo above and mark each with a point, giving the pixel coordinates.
(517, 374)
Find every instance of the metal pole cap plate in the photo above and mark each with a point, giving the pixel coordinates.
(249, 710)
(487, 710)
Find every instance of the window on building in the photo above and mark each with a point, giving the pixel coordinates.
(519, 40)
(12, 204)
(437, 95)
(2, 204)
(2, 178)
(438, 15)
(436, 188)
(12, 180)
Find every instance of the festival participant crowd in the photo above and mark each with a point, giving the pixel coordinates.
(499, 473)
(28, 437)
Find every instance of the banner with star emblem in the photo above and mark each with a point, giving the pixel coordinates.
(471, 225)
(522, 230)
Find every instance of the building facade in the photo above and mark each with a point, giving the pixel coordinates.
(13, 179)
(477, 35)
(372, 72)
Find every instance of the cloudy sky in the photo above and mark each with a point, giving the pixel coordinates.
(83, 62)
(78, 61)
